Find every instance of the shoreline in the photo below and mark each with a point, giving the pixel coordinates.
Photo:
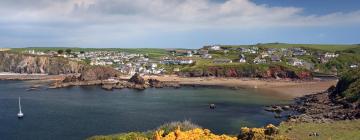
(281, 87)
(288, 88)
(24, 77)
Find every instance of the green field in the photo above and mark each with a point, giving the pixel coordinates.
(151, 52)
(324, 47)
(339, 130)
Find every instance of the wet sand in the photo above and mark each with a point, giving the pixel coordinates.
(287, 88)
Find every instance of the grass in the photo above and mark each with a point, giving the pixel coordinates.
(324, 47)
(339, 130)
(151, 52)
(167, 128)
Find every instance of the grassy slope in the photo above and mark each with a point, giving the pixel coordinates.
(152, 52)
(325, 47)
(340, 130)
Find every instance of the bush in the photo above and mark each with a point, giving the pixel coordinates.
(194, 134)
(123, 136)
(348, 87)
(172, 126)
(270, 132)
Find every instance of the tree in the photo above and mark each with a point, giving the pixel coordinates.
(60, 51)
(82, 52)
(68, 51)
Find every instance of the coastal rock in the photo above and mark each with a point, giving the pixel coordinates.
(31, 64)
(71, 78)
(274, 108)
(137, 79)
(107, 86)
(321, 108)
(160, 84)
(155, 83)
(98, 73)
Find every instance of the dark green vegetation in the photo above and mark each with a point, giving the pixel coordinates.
(349, 55)
(338, 130)
(151, 52)
(348, 87)
(323, 47)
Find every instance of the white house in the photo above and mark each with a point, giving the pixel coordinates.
(259, 60)
(206, 56)
(353, 66)
(331, 55)
(242, 59)
(215, 48)
(295, 62)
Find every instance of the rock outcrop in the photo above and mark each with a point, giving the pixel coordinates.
(98, 73)
(337, 103)
(31, 64)
(137, 79)
(161, 84)
(320, 108)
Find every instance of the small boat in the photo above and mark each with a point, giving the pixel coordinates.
(20, 114)
(212, 106)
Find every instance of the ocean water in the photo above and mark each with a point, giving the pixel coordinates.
(80, 112)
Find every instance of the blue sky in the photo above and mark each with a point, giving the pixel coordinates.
(176, 23)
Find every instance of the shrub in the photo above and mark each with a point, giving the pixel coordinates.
(270, 132)
(195, 134)
(172, 126)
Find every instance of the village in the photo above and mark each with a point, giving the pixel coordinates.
(131, 63)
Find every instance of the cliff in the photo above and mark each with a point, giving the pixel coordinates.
(31, 64)
(98, 73)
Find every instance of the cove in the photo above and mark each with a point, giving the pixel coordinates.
(80, 112)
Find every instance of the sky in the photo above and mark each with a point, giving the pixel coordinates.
(176, 23)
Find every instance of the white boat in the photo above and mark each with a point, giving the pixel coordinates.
(20, 114)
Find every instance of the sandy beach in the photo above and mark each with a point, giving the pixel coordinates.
(286, 88)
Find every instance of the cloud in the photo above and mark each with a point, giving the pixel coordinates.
(195, 12)
(79, 19)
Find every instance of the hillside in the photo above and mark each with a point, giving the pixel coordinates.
(348, 87)
(151, 52)
(31, 64)
(323, 47)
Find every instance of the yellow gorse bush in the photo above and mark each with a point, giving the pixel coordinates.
(270, 132)
(195, 134)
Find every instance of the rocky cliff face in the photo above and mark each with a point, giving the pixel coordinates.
(98, 73)
(272, 72)
(30, 64)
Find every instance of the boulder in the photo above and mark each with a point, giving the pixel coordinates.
(137, 79)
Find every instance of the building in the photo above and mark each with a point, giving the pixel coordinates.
(222, 61)
(354, 66)
(295, 62)
(259, 60)
(298, 52)
(215, 48)
(206, 56)
(202, 52)
(177, 61)
(242, 59)
(330, 55)
(275, 58)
